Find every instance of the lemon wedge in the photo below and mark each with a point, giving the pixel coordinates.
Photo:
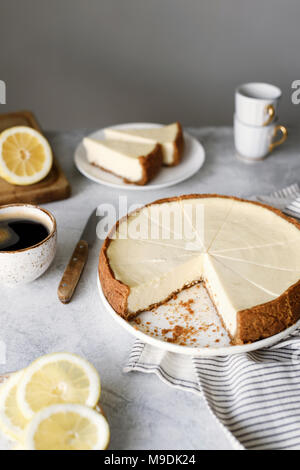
(67, 427)
(12, 421)
(25, 156)
(55, 379)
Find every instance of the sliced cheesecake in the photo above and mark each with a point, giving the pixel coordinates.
(136, 163)
(169, 137)
(247, 254)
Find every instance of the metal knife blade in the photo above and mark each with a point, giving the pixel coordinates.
(89, 233)
(78, 260)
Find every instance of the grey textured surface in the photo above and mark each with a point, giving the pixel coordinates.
(79, 63)
(143, 412)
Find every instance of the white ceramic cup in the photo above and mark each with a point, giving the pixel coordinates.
(255, 142)
(256, 104)
(22, 266)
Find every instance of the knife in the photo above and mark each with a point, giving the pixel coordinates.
(78, 260)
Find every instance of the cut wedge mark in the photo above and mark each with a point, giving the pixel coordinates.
(263, 265)
(221, 226)
(189, 246)
(186, 216)
(283, 257)
(155, 216)
(245, 278)
(156, 260)
(238, 233)
(264, 245)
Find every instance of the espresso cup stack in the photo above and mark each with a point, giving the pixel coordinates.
(256, 128)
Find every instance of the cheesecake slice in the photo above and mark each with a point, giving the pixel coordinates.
(169, 137)
(231, 294)
(135, 163)
(245, 253)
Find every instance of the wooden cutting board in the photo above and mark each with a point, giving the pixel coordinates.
(53, 188)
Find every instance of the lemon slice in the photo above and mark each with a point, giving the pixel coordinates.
(25, 156)
(12, 421)
(18, 446)
(58, 378)
(67, 427)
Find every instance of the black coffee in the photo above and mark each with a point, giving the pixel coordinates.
(17, 234)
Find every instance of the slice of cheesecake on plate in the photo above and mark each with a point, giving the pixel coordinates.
(135, 163)
(169, 137)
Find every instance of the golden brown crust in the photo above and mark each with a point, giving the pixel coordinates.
(178, 146)
(270, 318)
(115, 291)
(151, 164)
(253, 323)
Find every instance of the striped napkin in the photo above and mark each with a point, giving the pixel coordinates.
(254, 396)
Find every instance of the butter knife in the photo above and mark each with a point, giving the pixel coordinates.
(78, 260)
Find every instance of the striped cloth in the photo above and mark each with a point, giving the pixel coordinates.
(255, 397)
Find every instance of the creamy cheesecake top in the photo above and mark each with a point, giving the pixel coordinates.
(164, 134)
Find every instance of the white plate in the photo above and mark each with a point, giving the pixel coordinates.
(207, 338)
(192, 160)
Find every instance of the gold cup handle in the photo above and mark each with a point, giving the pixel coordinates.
(271, 113)
(284, 134)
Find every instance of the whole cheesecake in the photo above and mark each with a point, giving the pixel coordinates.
(247, 255)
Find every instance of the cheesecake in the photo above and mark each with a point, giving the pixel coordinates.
(135, 163)
(246, 254)
(169, 137)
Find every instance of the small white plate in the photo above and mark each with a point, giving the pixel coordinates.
(192, 160)
(203, 332)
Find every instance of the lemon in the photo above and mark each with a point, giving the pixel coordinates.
(57, 378)
(25, 156)
(67, 427)
(12, 421)
(18, 446)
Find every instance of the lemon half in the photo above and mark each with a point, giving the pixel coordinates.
(25, 156)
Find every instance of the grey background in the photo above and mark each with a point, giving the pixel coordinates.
(90, 63)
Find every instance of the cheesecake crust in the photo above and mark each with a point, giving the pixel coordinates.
(268, 319)
(178, 146)
(151, 164)
(253, 324)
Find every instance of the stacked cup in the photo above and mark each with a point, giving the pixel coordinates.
(256, 128)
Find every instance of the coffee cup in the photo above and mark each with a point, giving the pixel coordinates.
(21, 266)
(256, 104)
(256, 142)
